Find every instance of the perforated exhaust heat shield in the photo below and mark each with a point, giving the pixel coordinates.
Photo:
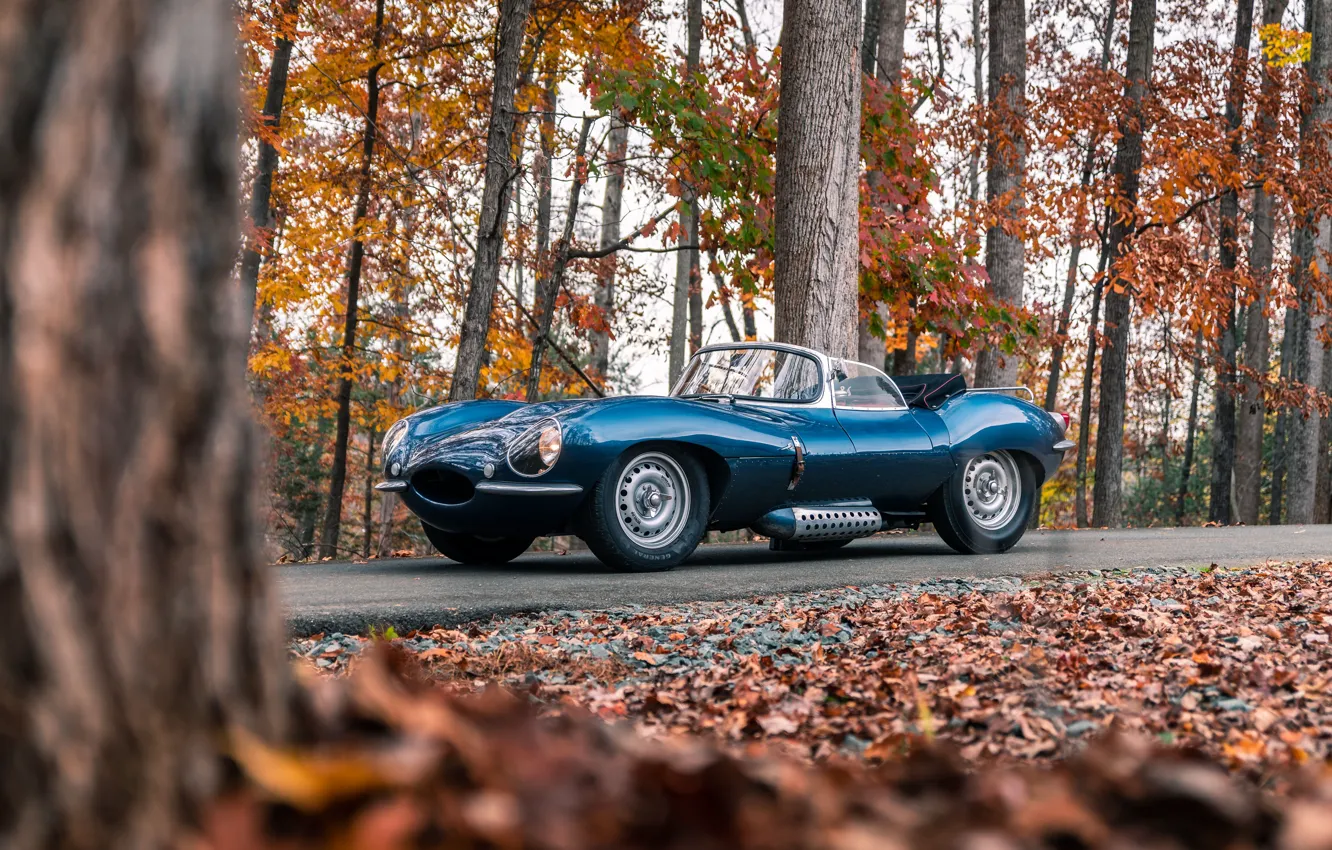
(836, 521)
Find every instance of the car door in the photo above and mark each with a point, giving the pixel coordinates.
(895, 461)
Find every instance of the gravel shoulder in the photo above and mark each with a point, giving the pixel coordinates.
(420, 593)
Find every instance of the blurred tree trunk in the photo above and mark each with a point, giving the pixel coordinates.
(136, 623)
(1223, 403)
(1305, 431)
(1251, 413)
(261, 193)
(618, 148)
(1006, 160)
(1075, 250)
(818, 177)
(337, 476)
(495, 195)
(1107, 509)
(687, 305)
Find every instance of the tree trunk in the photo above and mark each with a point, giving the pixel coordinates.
(1006, 159)
(1305, 444)
(1191, 433)
(618, 145)
(1251, 412)
(544, 181)
(724, 297)
(886, 63)
(337, 476)
(559, 261)
(1223, 406)
(1107, 509)
(1084, 410)
(686, 315)
(136, 623)
(1290, 343)
(817, 225)
(978, 84)
(401, 289)
(495, 194)
(368, 503)
(261, 194)
(747, 299)
(1075, 250)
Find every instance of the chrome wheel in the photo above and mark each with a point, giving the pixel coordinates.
(652, 500)
(992, 488)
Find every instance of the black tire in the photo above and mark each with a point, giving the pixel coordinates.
(470, 549)
(617, 506)
(963, 519)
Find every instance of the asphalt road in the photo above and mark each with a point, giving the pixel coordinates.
(419, 593)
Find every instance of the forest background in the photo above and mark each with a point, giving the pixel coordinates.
(1121, 207)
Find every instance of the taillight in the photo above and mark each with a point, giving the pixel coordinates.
(1062, 418)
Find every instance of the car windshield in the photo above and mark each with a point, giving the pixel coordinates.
(769, 374)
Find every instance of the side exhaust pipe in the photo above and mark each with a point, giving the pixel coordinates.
(808, 523)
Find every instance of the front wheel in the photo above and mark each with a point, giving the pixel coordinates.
(985, 506)
(649, 510)
(471, 549)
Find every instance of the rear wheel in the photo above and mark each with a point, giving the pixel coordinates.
(649, 510)
(471, 549)
(985, 506)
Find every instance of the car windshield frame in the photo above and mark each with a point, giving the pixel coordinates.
(839, 366)
(790, 351)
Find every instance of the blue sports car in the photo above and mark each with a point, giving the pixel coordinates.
(809, 450)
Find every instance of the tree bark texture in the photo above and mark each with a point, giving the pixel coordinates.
(136, 622)
(1223, 405)
(337, 476)
(261, 193)
(817, 223)
(1006, 160)
(617, 149)
(1107, 508)
(495, 195)
(886, 63)
(1305, 445)
(1075, 250)
(1251, 412)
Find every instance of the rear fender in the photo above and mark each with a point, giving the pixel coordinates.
(983, 422)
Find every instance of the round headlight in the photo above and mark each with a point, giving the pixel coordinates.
(535, 450)
(550, 444)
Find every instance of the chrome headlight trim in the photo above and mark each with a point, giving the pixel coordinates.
(526, 454)
(393, 439)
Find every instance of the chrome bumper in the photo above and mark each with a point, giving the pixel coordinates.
(1064, 445)
(520, 488)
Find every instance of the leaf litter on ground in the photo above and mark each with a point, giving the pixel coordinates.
(1084, 710)
(1231, 662)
